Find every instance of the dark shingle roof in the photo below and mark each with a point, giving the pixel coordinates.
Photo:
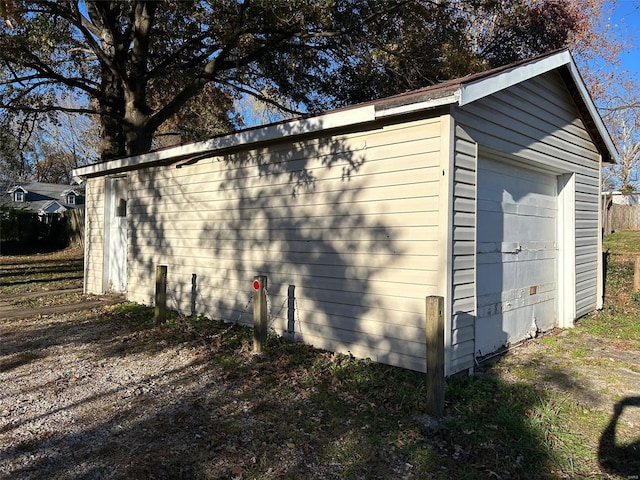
(40, 197)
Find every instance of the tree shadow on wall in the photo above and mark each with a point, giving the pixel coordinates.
(315, 215)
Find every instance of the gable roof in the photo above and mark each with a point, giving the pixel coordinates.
(460, 92)
(40, 197)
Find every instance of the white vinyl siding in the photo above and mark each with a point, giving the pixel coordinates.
(94, 235)
(351, 221)
(463, 307)
(537, 122)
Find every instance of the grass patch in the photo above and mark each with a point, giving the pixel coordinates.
(20, 274)
(51, 300)
(622, 242)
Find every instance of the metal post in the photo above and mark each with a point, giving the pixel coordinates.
(260, 314)
(291, 309)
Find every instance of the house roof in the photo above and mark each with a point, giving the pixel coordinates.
(40, 197)
(460, 92)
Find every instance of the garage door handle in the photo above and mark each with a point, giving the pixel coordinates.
(513, 251)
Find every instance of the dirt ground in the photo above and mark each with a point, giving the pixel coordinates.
(139, 401)
(603, 375)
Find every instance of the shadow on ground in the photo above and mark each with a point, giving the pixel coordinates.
(616, 457)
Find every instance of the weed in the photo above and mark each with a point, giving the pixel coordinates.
(579, 351)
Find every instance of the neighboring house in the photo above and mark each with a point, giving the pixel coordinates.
(483, 190)
(32, 212)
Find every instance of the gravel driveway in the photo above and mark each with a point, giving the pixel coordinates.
(81, 398)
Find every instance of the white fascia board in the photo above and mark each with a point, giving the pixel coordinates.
(338, 119)
(418, 106)
(488, 86)
(16, 188)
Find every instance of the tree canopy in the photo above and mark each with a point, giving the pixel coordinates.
(147, 69)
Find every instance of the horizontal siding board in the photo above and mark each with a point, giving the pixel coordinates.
(462, 320)
(145, 245)
(351, 221)
(201, 221)
(413, 171)
(563, 126)
(286, 199)
(377, 303)
(462, 190)
(463, 248)
(541, 131)
(210, 255)
(464, 334)
(464, 262)
(461, 277)
(376, 354)
(394, 272)
(464, 234)
(465, 205)
(310, 233)
(538, 151)
(463, 363)
(461, 352)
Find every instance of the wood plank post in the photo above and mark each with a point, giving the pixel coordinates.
(160, 313)
(636, 275)
(435, 356)
(260, 316)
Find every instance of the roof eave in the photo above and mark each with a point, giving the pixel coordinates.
(560, 61)
(293, 128)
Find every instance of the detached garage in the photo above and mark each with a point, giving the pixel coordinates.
(482, 190)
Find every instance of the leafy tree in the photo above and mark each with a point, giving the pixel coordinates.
(428, 42)
(16, 133)
(149, 68)
(141, 62)
(64, 141)
(597, 48)
(622, 114)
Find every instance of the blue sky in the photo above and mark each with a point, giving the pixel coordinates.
(627, 16)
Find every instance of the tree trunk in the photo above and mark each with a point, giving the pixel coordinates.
(138, 139)
(111, 137)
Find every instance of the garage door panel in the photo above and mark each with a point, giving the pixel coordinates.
(516, 253)
(508, 227)
(531, 189)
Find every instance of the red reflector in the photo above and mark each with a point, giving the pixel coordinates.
(256, 285)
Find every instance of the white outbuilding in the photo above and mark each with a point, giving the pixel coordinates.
(482, 190)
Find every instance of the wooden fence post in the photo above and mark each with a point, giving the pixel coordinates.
(636, 275)
(435, 356)
(160, 313)
(260, 316)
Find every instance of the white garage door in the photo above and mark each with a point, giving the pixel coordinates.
(516, 253)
